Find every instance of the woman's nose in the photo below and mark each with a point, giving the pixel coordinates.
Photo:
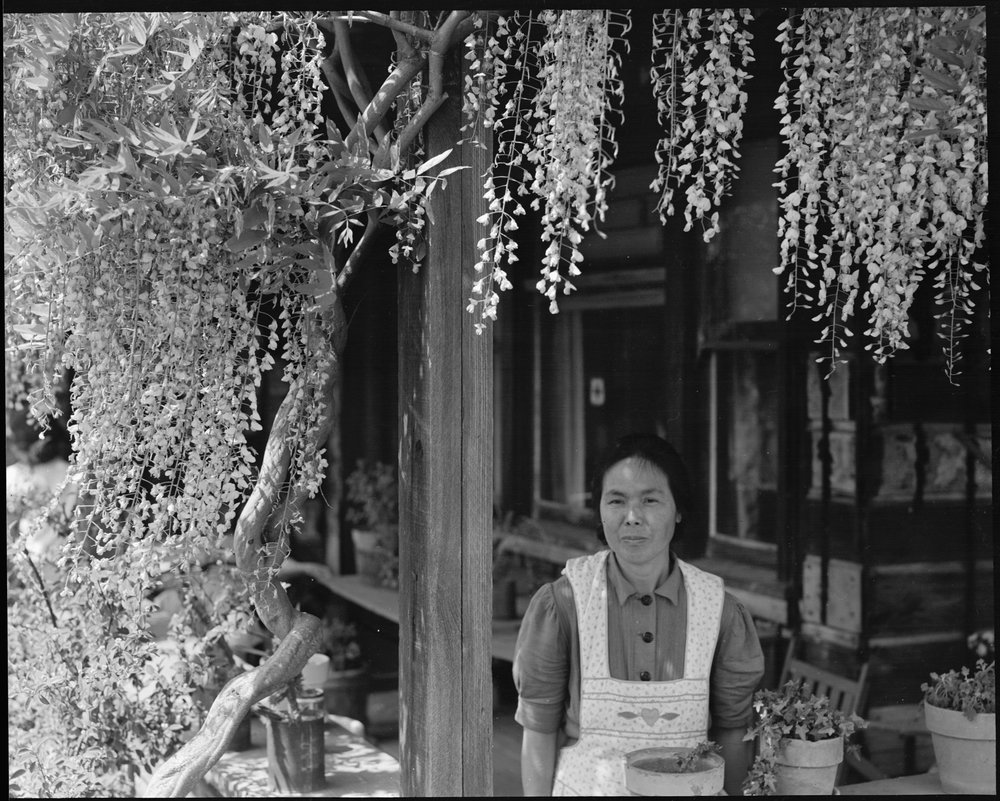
(632, 515)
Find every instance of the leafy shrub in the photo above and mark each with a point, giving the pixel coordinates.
(689, 761)
(92, 700)
(964, 691)
(791, 713)
(372, 495)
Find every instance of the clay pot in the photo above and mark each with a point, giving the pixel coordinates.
(653, 771)
(804, 767)
(346, 693)
(965, 750)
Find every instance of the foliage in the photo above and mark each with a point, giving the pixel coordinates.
(341, 644)
(373, 495)
(188, 195)
(790, 713)
(690, 760)
(175, 206)
(556, 74)
(878, 197)
(964, 691)
(91, 700)
(981, 644)
(700, 101)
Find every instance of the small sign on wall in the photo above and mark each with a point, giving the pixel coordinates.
(596, 391)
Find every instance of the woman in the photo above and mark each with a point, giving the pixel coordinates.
(631, 647)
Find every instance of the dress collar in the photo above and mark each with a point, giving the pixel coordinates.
(669, 589)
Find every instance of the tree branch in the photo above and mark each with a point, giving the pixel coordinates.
(41, 587)
(444, 38)
(357, 81)
(338, 86)
(403, 47)
(345, 275)
(177, 776)
(397, 25)
(401, 75)
(299, 633)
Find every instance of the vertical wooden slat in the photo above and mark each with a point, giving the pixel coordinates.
(445, 375)
(477, 475)
(536, 410)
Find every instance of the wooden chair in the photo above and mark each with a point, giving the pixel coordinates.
(846, 695)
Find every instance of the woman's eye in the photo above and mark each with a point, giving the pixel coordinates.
(652, 500)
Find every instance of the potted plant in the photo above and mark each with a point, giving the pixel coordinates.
(960, 710)
(373, 504)
(346, 686)
(800, 742)
(675, 771)
(293, 719)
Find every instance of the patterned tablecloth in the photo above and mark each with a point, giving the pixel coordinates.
(354, 767)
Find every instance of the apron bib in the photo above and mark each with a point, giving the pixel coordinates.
(618, 716)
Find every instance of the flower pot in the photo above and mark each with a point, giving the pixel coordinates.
(295, 753)
(367, 558)
(373, 550)
(653, 771)
(965, 750)
(804, 767)
(346, 693)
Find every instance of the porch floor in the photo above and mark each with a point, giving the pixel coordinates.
(506, 753)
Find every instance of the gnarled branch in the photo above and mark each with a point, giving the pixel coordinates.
(298, 632)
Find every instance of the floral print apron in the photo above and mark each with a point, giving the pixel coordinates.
(618, 716)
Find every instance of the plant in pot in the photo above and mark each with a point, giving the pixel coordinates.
(373, 508)
(800, 742)
(960, 710)
(346, 685)
(665, 771)
(293, 718)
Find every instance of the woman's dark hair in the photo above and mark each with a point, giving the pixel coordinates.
(658, 452)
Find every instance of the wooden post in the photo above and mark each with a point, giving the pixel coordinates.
(446, 488)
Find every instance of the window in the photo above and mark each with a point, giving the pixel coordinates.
(598, 376)
(743, 430)
(738, 320)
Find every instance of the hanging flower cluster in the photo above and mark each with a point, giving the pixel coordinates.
(884, 182)
(698, 71)
(145, 304)
(555, 139)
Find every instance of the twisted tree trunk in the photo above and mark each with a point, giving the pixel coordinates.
(298, 632)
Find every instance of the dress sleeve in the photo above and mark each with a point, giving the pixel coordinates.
(737, 669)
(542, 664)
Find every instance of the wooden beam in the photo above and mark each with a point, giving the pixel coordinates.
(446, 435)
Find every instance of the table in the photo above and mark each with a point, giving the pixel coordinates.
(384, 601)
(905, 720)
(354, 767)
(920, 784)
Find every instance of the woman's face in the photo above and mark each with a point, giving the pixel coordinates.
(638, 511)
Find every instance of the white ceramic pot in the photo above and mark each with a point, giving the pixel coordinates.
(315, 672)
(650, 771)
(965, 750)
